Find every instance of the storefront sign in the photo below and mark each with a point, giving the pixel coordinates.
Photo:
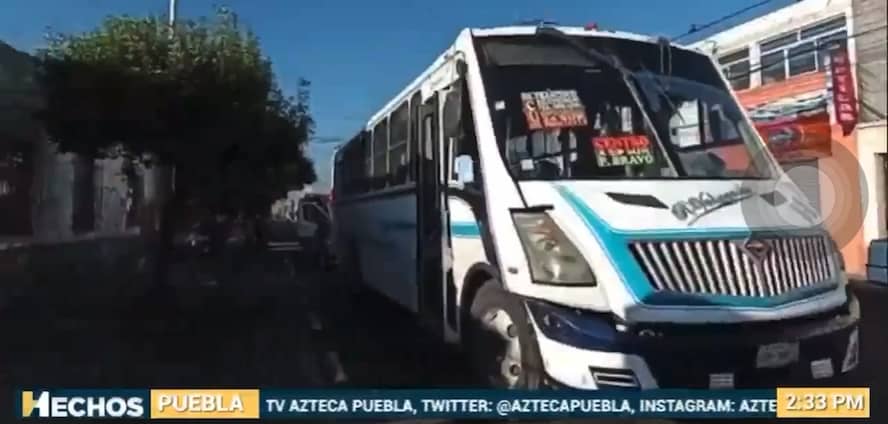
(623, 150)
(553, 109)
(844, 98)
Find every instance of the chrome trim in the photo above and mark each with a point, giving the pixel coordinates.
(774, 266)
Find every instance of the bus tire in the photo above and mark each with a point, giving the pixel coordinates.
(501, 343)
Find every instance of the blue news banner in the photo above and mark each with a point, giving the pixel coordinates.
(481, 404)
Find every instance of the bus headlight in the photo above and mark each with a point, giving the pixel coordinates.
(552, 257)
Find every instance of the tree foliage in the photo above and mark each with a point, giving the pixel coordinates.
(200, 97)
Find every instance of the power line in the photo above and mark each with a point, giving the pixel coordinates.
(695, 28)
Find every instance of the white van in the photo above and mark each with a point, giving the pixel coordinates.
(592, 209)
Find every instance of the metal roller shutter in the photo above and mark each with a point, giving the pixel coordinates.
(806, 175)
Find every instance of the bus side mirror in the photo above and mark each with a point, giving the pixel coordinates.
(465, 170)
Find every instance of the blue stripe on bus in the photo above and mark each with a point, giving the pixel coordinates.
(465, 229)
(615, 246)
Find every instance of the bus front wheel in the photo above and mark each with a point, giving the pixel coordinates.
(501, 342)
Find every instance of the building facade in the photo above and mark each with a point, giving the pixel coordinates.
(797, 72)
(871, 45)
(49, 196)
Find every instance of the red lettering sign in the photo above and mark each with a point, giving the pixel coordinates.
(844, 99)
(553, 109)
(623, 150)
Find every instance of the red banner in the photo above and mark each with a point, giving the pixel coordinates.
(801, 137)
(795, 128)
(844, 98)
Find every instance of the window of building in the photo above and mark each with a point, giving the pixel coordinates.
(773, 67)
(801, 58)
(801, 51)
(736, 68)
(828, 43)
(380, 154)
(398, 153)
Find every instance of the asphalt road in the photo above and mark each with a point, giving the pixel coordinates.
(268, 328)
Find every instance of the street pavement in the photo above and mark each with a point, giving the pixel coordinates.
(274, 326)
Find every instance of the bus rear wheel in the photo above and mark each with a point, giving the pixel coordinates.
(501, 342)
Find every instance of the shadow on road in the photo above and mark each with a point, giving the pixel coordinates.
(380, 345)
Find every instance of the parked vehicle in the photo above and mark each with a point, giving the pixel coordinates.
(314, 227)
(569, 206)
(877, 263)
(307, 235)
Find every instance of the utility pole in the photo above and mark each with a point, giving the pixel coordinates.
(173, 4)
(172, 12)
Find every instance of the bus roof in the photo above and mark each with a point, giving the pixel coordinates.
(569, 30)
(495, 32)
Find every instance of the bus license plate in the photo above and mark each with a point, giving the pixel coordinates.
(777, 355)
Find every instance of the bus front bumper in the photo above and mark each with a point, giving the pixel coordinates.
(584, 350)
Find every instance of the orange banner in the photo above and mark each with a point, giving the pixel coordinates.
(795, 130)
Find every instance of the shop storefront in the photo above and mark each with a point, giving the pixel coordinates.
(793, 71)
(873, 153)
(799, 119)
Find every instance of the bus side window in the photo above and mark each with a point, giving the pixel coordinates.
(428, 131)
(367, 174)
(467, 143)
(380, 155)
(397, 151)
(413, 150)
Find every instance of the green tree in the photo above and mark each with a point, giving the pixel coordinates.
(200, 98)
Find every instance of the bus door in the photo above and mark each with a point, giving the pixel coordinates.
(430, 217)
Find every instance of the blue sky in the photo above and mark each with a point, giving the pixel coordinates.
(358, 53)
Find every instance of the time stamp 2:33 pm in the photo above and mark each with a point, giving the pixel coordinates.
(834, 402)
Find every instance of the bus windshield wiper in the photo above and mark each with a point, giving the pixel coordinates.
(613, 62)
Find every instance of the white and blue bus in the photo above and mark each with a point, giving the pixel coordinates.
(592, 209)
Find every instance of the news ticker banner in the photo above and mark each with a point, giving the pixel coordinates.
(840, 402)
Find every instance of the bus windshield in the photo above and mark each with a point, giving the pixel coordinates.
(558, 114)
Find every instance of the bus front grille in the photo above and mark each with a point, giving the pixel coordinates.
(770, 267)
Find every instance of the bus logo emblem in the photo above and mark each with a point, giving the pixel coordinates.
(757, 250)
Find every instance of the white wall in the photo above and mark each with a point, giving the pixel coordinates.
(52, 202)
(111, 197)
(870, 142)
(53, 192)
